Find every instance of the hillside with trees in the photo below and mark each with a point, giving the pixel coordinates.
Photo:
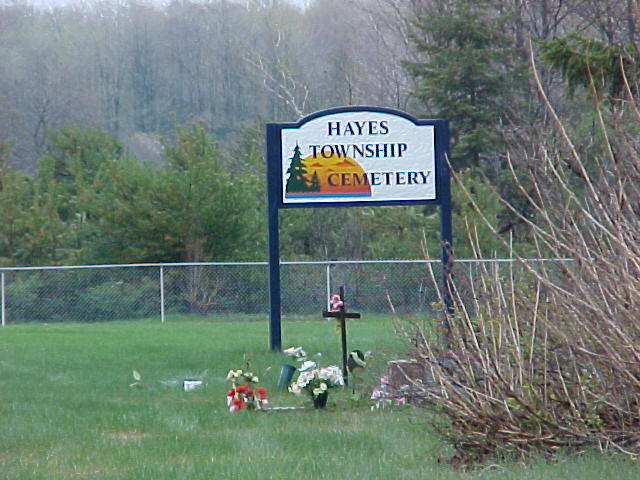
(127, 127)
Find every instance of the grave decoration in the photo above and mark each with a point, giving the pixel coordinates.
(191, 384)
(337, 310)
(300, 356)
(295, 352)
(137, 380)
(386, 396)
(405, 381)
(316, 382)
(356, 364)
(245, 392)
(287, 371)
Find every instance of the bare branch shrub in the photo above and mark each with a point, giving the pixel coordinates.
(546, 355)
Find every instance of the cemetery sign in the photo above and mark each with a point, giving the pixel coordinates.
(354, 156)
(360, 156)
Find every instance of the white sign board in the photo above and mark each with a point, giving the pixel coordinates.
(358, 157)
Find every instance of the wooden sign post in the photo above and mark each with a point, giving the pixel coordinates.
(342, 315)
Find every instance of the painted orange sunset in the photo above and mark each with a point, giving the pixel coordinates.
(334, 175)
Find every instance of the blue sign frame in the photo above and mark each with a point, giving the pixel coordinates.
(275, 202)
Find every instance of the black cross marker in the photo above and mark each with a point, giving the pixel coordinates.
(342, 316)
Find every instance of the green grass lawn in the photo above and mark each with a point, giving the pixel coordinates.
(67, 410)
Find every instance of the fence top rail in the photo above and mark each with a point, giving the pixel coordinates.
(254, 264)
(131, 265)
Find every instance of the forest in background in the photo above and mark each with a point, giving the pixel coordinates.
(132, 131)
(137, 68)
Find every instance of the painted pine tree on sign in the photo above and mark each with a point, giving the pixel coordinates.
(297, 180)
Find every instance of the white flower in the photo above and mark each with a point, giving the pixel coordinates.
(332, 374)
(295, 352)
(304, 377)
(308, 365)
(295, 389)
(255, 379)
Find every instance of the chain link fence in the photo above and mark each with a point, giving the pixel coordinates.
(115, 292)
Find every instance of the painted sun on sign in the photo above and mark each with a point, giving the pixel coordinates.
(332, 175)
(361, 156)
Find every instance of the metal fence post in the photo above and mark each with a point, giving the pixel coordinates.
(2, 300)
(240, 294)
(161, 294)
(328, 287)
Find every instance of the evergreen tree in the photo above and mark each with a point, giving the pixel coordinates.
(16, 192)
(191, 210)
(603, 70)
(297, 181)
(315, 182)
(469, 73)
(31, 231)
(70, 164)
(66, 184)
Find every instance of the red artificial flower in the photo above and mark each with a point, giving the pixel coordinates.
(261, 391)
(238, 402)
(231, 392)
(249, 392)
(242, 388)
